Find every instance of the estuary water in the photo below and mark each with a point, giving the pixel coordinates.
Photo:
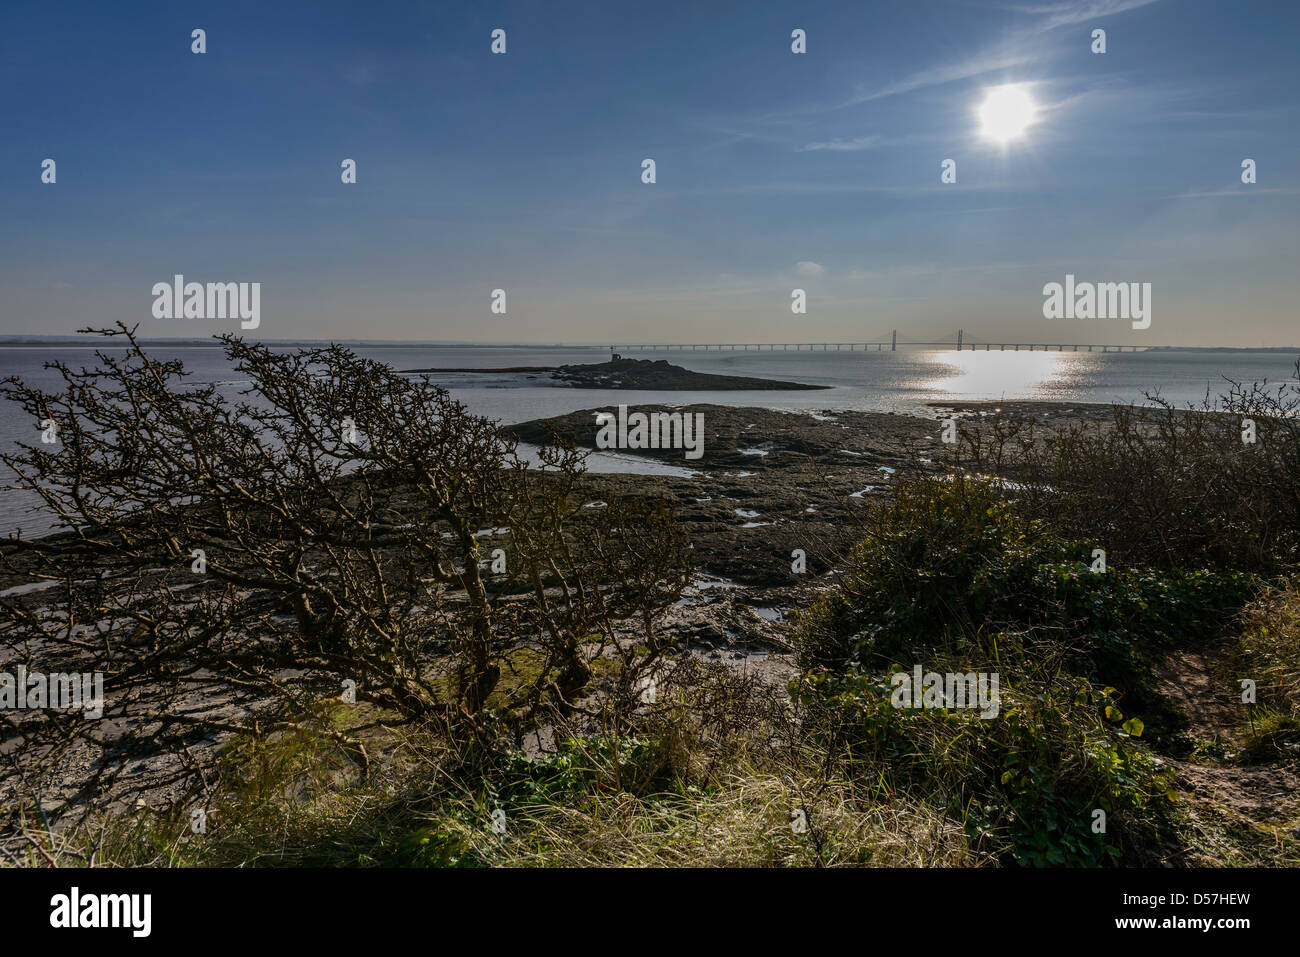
(902, 381)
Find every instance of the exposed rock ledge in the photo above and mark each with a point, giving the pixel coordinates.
(643, 374)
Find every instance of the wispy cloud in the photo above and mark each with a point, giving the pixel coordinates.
(1016, 51)
(940, 75)
(844, 146)
(1242, 190)
(1069, 12)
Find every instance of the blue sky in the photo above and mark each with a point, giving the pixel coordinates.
(523, 171)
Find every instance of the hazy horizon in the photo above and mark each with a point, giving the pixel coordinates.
(90, 341)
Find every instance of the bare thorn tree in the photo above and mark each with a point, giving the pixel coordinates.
(238, 566)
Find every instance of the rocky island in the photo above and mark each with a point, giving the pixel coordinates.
(660, 374)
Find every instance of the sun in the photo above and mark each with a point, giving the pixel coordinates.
(1007, 111)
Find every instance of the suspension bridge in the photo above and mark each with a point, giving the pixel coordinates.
(957, 341)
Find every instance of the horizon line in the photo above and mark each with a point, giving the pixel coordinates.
(88, 340)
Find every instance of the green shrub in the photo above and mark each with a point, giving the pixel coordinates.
(952, 577)
(436, 846)
(1027, 784)
(947, 564)
(601, 764)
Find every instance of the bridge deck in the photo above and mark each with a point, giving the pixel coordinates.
(878, 346)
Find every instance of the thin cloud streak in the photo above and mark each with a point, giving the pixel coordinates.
(1070, 12)
(1243, 190)
(940, 76)
(1055, 15)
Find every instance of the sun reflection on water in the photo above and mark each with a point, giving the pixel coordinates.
(1010, 374)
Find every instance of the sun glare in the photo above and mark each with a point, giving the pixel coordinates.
(1015, 375)
(1007, 111)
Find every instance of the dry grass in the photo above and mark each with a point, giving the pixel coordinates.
(1269, 650)
(744, 822)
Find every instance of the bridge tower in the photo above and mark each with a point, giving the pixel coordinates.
(893, 342)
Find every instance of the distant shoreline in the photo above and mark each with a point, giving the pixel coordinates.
(503, 371)
(98, 342)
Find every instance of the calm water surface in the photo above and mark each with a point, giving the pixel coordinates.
(902, 381)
